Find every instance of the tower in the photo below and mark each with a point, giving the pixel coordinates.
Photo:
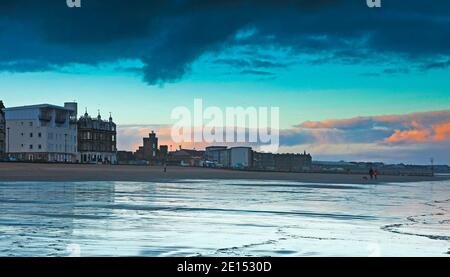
(151, 147)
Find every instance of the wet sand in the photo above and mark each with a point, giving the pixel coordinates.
(15, 172)
(224, 218)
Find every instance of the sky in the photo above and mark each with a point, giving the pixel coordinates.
(352, 83)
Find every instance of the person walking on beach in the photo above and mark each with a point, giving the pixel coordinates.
(375, 174)
(165, 167)
(371, 173)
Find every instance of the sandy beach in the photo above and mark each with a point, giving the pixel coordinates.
(10, 172)
(231, 214)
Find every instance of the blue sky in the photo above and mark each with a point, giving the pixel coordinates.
(303, 92)
(316, 60)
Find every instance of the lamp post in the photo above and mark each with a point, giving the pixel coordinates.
(7, 151)
(432, 166)
(65, 148)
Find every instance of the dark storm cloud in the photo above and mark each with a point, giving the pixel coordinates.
(257, 72)
(168, 36)
(437, 65)
(253, 63)
(26, 66)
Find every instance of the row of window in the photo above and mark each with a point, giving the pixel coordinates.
(31, 147)
(31, 135)
(54, 147)
(61, 136)
(99, 148)
(96, 136)
(61, 148)
(51, 137)
(43, 123)
(29, 123)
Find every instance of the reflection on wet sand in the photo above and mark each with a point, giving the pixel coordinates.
(224, 218)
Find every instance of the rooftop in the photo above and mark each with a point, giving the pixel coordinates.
(39, 106)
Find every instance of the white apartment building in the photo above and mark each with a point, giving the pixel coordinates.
(241, 157)
(42, 133)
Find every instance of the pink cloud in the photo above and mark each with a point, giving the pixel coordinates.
(410, 136)
(395, 138)
(412, 120)
(436, 133)
(442, 132)
(407, 137)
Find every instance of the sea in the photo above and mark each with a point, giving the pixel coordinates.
(190, 218)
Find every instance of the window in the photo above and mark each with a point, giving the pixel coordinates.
(31, 146)
(21, 134)
(40, 135)
(31, 124)
(39, 146)
(31, 135)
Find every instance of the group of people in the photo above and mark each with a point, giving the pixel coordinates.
(373, 173)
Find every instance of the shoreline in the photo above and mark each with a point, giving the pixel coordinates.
(34, 172)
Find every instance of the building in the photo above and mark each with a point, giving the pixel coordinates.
(282, 162)
(125, 157)
(150, 147)
(218, 156)
(224, 157)
(163, 152)
(149, 150)
(241, 157)
(2, 131)
(46, 133)
(97, 140)
(139, 154)
(245, 158)
(186, 157)
(264, 161)
(293, 162)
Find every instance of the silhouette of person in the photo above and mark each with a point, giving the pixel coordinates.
(371, 173)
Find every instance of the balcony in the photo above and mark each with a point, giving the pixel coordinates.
(61, 117)
(45, 115)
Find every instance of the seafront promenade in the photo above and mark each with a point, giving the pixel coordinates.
(10, 172)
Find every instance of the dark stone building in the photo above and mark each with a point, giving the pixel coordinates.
(97, 140)
(149, 151)
(163, 152)
(125, 157)
(151, 147)
(282, 162)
